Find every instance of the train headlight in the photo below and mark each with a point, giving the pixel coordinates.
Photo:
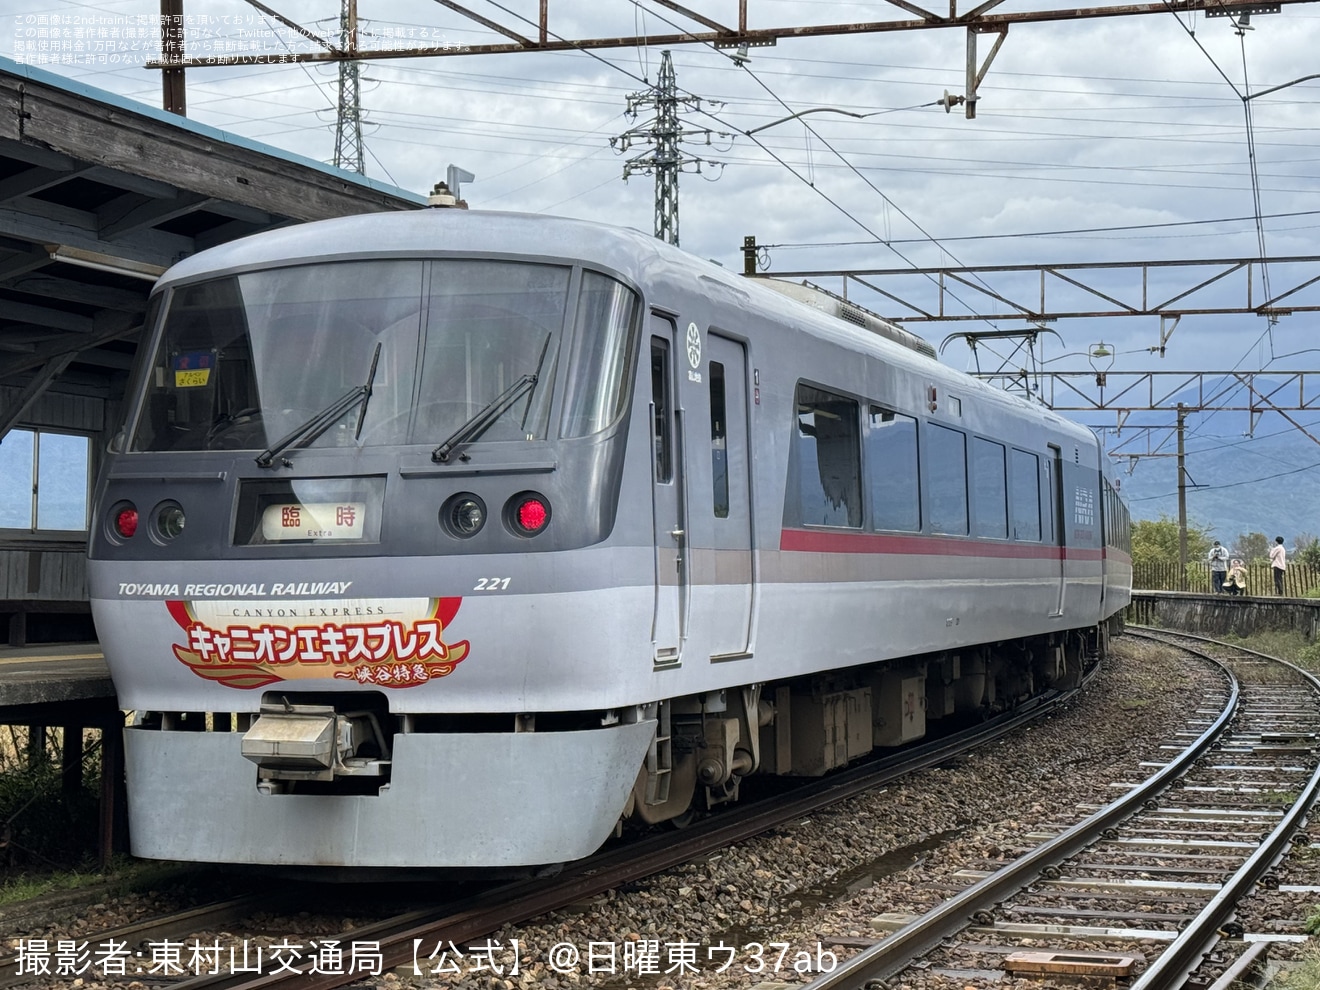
(528, 513)
(169, 520)
(463, 515)
(124, 520)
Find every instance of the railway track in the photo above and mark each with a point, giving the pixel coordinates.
(177, 924)
(394, 940)
(398, 938)
(1162, 870)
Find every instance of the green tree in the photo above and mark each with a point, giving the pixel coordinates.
(1254, 548)
(1308, 550)
(1156, 541)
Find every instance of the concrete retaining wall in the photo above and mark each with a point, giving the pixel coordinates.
(1215, 615)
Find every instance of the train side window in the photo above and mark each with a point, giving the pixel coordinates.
(891, 468)
(946, 487)
(829, 458)
(991, 489)
(602, 364)
(719, 455)
(662, 439)
(1025, 496)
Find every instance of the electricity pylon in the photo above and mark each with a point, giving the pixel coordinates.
(664, 133)
(348, 128)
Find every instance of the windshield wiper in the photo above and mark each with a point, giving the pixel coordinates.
(325, 419)
(482, 420)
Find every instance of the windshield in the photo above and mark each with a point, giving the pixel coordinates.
(489, 323)
(247, 359)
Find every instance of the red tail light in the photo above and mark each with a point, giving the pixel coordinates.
(529, 513)
(126, 521)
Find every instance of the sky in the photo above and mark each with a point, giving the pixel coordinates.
(1118, 139)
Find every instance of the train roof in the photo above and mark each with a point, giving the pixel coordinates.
(425, 232)
(631, 252)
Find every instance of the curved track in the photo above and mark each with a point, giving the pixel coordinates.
(1169, 860)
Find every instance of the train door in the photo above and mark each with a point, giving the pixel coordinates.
(671, 565)
(1054, 481)
(722, 590)
(1105, 501)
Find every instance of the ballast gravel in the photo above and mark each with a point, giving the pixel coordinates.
(776, 910)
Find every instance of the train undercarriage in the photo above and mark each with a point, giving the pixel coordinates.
(706, 745)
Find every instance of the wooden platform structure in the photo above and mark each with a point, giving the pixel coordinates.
(98, 196)
(67, 687)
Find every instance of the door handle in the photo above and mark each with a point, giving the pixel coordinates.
(676, 533)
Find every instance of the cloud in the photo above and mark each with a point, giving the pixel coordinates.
(1126, 122)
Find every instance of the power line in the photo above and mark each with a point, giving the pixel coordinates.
(755, 140)
(1232, 484)
(789, 245)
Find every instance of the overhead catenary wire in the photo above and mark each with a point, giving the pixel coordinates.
(1231, 484)
(1245, 97)
(1063, 232)
(475, 136)
(415, 70)
(832, 62)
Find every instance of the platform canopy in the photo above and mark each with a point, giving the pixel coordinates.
(99, 195)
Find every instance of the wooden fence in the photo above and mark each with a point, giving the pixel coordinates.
(1298, 579)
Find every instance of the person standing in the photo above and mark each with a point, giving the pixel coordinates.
(1218, 558)
(1279, 563)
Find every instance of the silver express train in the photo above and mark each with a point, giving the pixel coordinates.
(456, 539)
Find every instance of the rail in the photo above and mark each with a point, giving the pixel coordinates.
(1184, 953)
(512, 903)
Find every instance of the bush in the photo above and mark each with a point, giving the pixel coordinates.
(1300, 974)
(42, 825)
(1309, 657)
(1308, 551)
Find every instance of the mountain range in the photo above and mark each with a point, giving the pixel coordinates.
(1235, 484)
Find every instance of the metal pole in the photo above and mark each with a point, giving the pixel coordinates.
(667, 161)
(1182, 503)
(171, 46)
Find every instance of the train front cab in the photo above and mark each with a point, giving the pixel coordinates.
(258, 737)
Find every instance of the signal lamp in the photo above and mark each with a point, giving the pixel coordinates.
(126, 519)
(463, 515)
(528, 513)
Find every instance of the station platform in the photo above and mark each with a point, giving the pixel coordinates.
(67, 686)
(55, 684)
(1216, 615)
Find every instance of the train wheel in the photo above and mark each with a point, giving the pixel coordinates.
(678, 802)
